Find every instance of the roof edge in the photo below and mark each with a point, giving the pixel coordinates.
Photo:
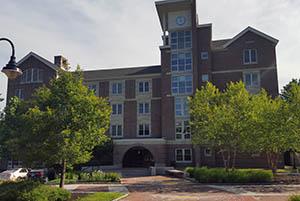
(41, 59)
(255, 31)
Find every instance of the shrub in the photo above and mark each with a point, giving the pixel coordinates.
(98, 176)
(294, 198)
(71, 176)
(32, 191)
(220, 175)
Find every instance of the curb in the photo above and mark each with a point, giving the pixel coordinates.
(121, 198)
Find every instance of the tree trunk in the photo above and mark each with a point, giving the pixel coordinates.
(234, 158)
(62, 175)
(224, 160)
(273, 160)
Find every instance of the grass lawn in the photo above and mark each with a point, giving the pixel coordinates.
(103, 196)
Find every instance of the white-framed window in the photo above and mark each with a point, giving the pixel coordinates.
(181, 40)
(19, 93)
(204, 55)
(117, 109)
(207, 152)
(32, 75)
(182, 84)
(144, 86)
(144, 108)
(250, 56)
(181, 107)
(251, 79)
(116, 88)
(181, 61)
(183, 155)
(183, 130)
(92, 87)
(116, 130)
(205, 78)
(144, 130)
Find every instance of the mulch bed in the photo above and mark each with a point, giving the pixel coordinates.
(287, 179)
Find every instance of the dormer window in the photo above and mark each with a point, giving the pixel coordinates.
(250, 56)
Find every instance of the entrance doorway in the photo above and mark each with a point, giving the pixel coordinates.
(138, 157)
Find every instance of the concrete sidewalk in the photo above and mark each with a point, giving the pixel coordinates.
(93, 188)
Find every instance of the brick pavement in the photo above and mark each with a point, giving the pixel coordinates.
(161, 188)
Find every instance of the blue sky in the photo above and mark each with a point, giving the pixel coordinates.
(118, 33)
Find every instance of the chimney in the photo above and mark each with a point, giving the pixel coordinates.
(61, 62)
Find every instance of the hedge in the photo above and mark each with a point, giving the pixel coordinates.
(98, 176)
(220, 175)
(294, 198)
(32, 191)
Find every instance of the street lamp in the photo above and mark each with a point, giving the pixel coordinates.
(11, 70)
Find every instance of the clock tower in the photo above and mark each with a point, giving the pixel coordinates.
(179, 70)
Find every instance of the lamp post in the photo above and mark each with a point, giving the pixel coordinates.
(11, 70)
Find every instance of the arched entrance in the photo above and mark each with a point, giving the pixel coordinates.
(138, 157)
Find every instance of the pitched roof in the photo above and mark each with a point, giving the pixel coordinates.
(121, 72)
(255, 31)
(41, 59)
(219, 44)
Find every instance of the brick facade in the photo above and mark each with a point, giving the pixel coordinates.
(149, 111)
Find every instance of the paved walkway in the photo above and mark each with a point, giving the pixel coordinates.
(173, 189)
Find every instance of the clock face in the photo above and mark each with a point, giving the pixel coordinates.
(180, 20)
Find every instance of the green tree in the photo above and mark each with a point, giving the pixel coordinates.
(274, 128)
(221, 120)
(286, 92)
(61, 124)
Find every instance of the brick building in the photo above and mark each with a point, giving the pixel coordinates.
(150, 119)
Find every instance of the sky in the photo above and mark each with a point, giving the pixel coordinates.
(120, 33)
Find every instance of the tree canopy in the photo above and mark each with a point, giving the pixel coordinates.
(61, 124)
(236, 121)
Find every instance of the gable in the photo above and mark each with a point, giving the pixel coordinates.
(39, 58)
(253, 31)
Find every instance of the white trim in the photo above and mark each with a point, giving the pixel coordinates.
(117, 103)
(117, 136)
(259, 33)
(249, 51)
(243, 69)
(170, 1)
(145, 141)
(146, 76)
(183, 155)
(138, 129)
(41, 59)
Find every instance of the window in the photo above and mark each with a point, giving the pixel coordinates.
(116, 131)
(205, 78)
(117, 88)
(181, 62)
(181, 107)
(207, 152)
(144, 108)
(250, 56)
(92, 87)
(251, 79)
(183, 155)
(181, 40)
(183, 130)
(32, 75)
(182, 84)
(144, 130)
(117, 109)
(20, 94)
(204, 55)
(143, 87)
